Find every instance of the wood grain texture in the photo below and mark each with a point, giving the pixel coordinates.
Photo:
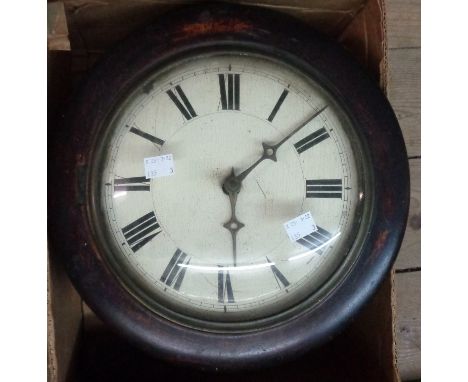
(403, 23)
(404, 93)
(408, 324)
(410, 252)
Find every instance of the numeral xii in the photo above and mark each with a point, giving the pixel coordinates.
(230, 99)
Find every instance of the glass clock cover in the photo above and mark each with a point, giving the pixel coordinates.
(230, 191)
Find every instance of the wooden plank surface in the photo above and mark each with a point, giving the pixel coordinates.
(408, 325)
(403, 23)
(410, 252)
(404, 92)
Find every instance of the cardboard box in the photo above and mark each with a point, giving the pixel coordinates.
(79, 346)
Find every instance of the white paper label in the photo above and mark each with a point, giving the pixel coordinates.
(301, 226)
(155, 167)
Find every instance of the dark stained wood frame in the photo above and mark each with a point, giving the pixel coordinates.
(206, 27)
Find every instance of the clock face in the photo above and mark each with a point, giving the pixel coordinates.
(245, 144)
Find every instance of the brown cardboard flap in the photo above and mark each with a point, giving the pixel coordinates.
(57, 29)
(63, 303)
(365, 38)
(97, 25)
(51, 348)
(63, 322)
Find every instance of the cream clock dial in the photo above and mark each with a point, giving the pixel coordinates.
(179, 235)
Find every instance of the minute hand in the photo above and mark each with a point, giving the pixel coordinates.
(269, 151)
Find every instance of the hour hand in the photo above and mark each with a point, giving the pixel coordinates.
(232, 188)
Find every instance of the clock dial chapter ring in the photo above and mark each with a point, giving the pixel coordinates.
(101, 278)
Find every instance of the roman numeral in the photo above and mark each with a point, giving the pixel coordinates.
(141, 231)
(174, 274)
(324, 188)
(278, 105)
(185, 107)
(230, 99)
(317, 239)
(279, 277)
(147, 136)
(311, 140)
(138, 183)
(225, 287)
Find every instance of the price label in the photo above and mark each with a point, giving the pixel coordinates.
(301, 226)
(156, 167)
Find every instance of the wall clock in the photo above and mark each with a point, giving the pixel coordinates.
(234, 188)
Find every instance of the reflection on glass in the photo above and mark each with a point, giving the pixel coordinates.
(301, 255)
(119, 194)
(239, 268)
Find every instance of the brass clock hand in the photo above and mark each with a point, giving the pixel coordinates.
(233, 225)
(269, 152)
(232, 184)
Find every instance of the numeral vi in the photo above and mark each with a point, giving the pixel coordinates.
(225, 287)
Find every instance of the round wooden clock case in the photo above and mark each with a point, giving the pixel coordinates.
(305, 95)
